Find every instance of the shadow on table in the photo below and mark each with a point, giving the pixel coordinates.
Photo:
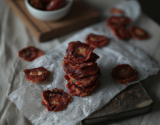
(152, 86)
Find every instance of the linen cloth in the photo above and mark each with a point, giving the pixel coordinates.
(14, 36)
(27, 96)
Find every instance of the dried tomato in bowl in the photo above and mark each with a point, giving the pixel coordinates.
(37, 75)
(38, 4)
(121, 32)
(139, 33)
(55, 99)
(30, 53)
(96, 40)
(47, 5)
(55, 5)
(124, 74)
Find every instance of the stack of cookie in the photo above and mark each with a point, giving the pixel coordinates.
(81, 69)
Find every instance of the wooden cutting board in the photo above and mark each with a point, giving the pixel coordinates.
(80, 16)
(132, 101)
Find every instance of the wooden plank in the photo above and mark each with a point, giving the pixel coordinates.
(75, 15)
(132, 101)
(79, 16)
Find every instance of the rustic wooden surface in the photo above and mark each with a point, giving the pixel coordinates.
(132, 98)
(80, 15)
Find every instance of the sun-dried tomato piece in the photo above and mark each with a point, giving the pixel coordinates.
(78, 52)
(37, 75)
(80, 70)
(96, 40)
(83, 82)
(139, 33)
(121, 32)
(124, 74)
(55, 99)
(38, 4)
(30, 53)
(55, 5)
(116, 11)
(75, 90)
(93, 58)
(116, 21)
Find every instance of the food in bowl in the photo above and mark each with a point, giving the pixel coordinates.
(47, 5)
(48, 15)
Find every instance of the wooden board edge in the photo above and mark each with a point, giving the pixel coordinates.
(151, 102)
(52, 34)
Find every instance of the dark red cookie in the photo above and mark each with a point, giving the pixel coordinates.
(124, 74)
(37, 75)
(96, 40)
(55, 99)
(30, 53)
(139, 33)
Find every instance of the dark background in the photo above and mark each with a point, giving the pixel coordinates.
(151, 8)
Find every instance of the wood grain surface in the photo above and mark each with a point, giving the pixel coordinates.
(80, 16)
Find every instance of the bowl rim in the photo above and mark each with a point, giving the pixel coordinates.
(52, 11)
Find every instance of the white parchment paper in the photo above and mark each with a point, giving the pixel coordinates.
(28, 96)
(131, 9)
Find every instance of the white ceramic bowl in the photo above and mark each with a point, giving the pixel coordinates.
(49, 15)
